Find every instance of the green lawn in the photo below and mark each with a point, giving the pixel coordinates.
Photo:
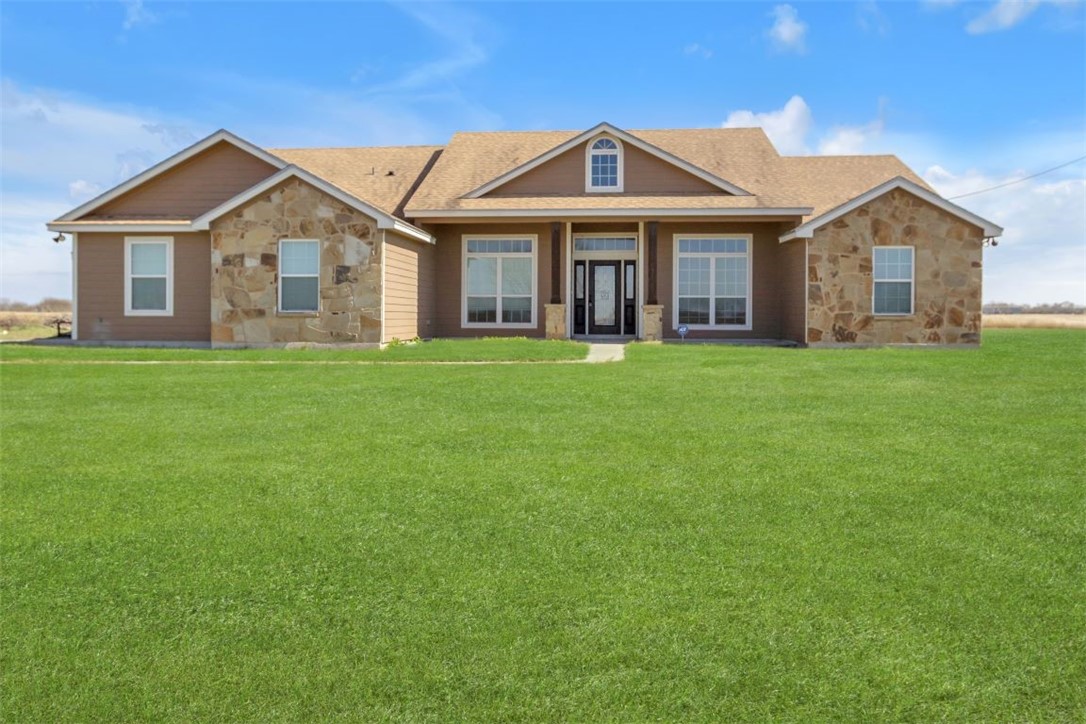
(517, 349)
(699, 532)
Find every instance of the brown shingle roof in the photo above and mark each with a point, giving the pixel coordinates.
(743, 156)
(364, 172)
(738, 155)
(825, 182)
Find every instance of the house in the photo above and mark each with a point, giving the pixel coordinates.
(557, 234)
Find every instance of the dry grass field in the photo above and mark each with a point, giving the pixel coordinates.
(30, 325)
(1035, 321)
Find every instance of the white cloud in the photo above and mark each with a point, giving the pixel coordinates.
(1041, 256)
(698, 50)
(136, 14)
(871, 19)
(787, 128)
(57, 151)
(790, 126)
(457, 30)
(847, 140)
(32, 265)
(55, 139)
(788, 32)
(81, 190)
(1004, 14)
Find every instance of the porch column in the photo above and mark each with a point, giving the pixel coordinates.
(556, 262)
(556, 311)
(652, 320)
(651, 296)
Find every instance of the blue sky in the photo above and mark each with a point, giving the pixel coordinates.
(970, 94)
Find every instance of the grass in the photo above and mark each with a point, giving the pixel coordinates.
(21, 326)
(1035, 321)
(515, 349)
(699, 532)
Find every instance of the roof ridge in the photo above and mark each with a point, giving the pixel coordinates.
(353, 148)
(844, 155)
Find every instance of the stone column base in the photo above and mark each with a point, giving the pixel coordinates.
(652, 322)
(556, 321)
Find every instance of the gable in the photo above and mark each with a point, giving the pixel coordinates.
(190, 188)
(899, 188)
(564, 175)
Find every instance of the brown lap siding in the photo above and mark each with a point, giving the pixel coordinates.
(564, 175)
(449, 263)
(199, 184)
(770, 281)
(100, 282)
(793, 265)
(408, 284)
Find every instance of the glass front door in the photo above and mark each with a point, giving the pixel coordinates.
(604, 297)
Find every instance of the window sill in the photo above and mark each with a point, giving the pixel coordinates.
(147, 313)
(282, 313)
(885, 315)
(715, 327)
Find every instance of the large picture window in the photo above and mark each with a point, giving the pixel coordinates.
(893, 279)
(148, 272)
(499, 281)
(299, 275)
(712, 282)
(604, 165)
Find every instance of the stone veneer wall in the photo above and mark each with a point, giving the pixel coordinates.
(947, 275)
(244, 270)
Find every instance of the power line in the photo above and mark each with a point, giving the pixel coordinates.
(1020, 180)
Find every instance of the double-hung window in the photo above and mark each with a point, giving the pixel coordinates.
(148, 276)
(604, 165)
(499, 281)
(712, 281)
(299, 275)
(893, 279)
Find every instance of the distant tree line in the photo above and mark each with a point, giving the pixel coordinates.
(1056, 308)
(47, 305)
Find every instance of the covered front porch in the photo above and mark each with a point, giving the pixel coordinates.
(625, 278)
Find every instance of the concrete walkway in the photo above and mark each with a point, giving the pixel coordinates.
(606, 353)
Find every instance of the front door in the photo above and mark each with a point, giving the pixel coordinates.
(604, 297)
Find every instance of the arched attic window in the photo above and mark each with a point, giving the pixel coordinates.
(603, 167)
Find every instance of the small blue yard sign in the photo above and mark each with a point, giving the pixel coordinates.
(682, 330)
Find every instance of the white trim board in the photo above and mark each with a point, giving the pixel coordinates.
(620, 166)
(607, 128)
(384, 220)
(203, 222)
(807, 230)
(75, 287)
(174, 160)
(131, 241)
(464, 323)
(141, 228)
(630, 212)
(712, 326)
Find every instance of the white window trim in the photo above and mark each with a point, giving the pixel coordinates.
(589, 153)
(616, 254)
(279, 291)
(464, 323)
(129, 242)
(911, 281)
(675, 281)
